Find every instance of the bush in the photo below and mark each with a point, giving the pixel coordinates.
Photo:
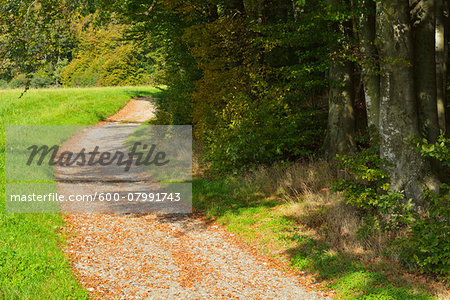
(19, 81)
(427, 242)
(264, 135)
(367, 188)
(42, 78)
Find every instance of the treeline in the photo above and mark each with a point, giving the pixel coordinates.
(251, 77)
(276, 81)
(91, 53)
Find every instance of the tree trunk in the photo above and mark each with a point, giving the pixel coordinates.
(341, 118)
(425, 67)
(398, 108)
(441, 62)
(369, 68)
(341, 101)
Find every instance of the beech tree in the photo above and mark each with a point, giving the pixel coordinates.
(369, 61)
(441, 39)
(423, 25)
(399, 112)
(402, 65)
(341, 115)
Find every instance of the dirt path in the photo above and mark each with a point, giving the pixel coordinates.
(166, 256)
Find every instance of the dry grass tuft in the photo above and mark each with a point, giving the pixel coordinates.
(305, 187)
(295, 180)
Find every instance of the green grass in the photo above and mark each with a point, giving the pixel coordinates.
(267, 224)
(31, 263)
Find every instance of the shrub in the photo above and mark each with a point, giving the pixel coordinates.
(18, 81)
(42, 78)
(263, 135)
(427, 245)
(367, 188)
(427, 241)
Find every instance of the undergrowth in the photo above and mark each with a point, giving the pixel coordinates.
(288, 212)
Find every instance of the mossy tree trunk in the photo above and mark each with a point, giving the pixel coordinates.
(341, 115)
(398, 107)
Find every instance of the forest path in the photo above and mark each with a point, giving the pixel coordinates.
(151, 256)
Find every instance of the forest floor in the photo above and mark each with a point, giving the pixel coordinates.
(134, 256)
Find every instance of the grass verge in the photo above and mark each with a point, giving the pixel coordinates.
(289, 215)
(31, 263)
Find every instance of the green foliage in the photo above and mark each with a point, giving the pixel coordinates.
(250, 88)
(104, 58)
(58, 69)
(439, 150)
(258, 109)
(42, 78)
(39, 38)
(266, 135)
(34, 34)
(18, 81)
(48, 75)
(367, 188)
(3, 84)
(427, 245)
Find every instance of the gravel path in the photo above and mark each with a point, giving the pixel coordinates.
(149, 256)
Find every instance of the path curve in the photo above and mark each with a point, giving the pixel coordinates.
(151, 256)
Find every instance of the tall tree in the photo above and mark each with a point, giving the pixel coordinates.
(33, 34)
(341, 98)
(369, 61)
(341, 115)
(441, 37)
(398, 109)
(425, 67)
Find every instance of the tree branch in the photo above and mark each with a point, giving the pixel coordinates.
(149, 10)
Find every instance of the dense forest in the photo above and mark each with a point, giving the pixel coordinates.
(363, 83)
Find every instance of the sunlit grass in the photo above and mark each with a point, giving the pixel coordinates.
(31, 263)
